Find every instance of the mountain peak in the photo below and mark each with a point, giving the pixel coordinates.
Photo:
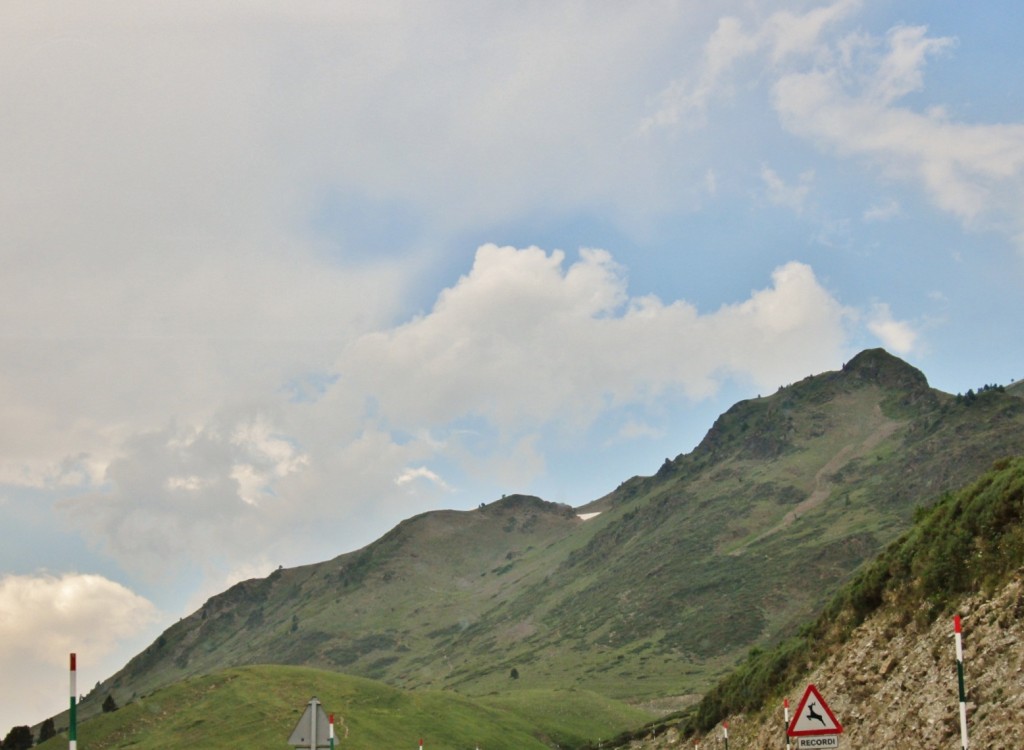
(517, 502)
(766, 427)
(882, 368)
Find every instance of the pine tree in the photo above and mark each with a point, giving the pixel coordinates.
(47, 730)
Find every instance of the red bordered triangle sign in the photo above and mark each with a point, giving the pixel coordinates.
(813, 716)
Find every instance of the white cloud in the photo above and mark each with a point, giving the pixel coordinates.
(685, 102)
(45, 618)
(421, 472)
(898, 336)
(780, 36)
(560, 344)
(900, 71)
(790, 34)
(974, 172)
(848, 95)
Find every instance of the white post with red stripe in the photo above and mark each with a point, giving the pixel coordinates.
(785, 726)
(725, 733)
(332, 731)
(72, 712)
(960, 680)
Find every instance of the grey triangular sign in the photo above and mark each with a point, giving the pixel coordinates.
(303, 734)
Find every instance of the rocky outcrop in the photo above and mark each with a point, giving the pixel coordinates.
(895, 685)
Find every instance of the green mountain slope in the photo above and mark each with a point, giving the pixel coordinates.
(258, 707)
(727, 547)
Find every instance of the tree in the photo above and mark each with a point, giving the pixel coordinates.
(19, 738)
(109, 704)
(47, 730)
(514, 674)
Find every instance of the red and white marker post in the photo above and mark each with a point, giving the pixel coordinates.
(331, 718)
(785, 726)
(72, 715)
(725, 733)
(960, 680)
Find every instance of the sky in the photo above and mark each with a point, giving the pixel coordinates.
(277, 276)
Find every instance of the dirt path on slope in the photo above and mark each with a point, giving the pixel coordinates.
(822, 486)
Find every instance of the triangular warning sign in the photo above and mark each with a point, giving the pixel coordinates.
(813, 716)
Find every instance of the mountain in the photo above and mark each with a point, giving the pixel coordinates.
(882, 652)
(680, 574)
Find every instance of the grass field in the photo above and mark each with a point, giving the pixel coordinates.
(258, 707)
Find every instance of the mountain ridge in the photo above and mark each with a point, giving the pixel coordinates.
(681, 573)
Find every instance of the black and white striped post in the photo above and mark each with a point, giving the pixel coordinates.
(960, 681)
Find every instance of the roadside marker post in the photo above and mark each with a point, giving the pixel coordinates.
(73, 714)
(785, 714)
(960, 680)
(725, 734)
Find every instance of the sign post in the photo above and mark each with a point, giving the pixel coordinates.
(814, 725)
(314, 729)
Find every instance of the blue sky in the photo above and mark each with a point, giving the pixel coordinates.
(276, 278)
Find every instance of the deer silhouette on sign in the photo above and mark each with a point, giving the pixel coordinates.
(812, 714)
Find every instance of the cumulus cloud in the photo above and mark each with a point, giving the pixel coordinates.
(561, 344)
(43, 618)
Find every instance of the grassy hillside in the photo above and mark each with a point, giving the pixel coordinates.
(726, 548)
(258, 707)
